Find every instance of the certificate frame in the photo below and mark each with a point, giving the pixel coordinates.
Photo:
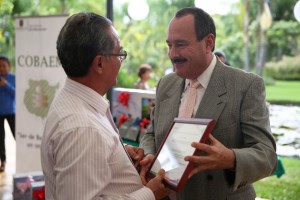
(169, 157)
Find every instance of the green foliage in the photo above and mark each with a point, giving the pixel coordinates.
(283, 10)
(287, 187)
(286, 69)
(233, 48)
(6, 27)
(6, 7)
(283, 38)
(124, 80)
(145, 40)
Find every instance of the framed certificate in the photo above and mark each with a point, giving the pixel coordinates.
(177, 145)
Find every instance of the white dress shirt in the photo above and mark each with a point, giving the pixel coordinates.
(82, 156)
(203, 79)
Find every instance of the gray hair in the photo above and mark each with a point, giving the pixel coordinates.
(83, 36)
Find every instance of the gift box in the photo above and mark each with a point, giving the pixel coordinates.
(22, 184)
(21, 187)
(38, 190)
(131, 110)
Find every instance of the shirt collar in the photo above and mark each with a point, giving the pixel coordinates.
(88, 95)
(204, 78)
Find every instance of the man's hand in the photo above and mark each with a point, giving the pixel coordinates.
(157, 186)
(3, 82)
(136, 154)
(145, 164)
(217, 156)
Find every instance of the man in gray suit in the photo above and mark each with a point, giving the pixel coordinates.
(241, 148)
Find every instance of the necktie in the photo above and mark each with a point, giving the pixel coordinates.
(187, 106)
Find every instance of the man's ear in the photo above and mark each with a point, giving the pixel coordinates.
(210, 42)
(97, 63)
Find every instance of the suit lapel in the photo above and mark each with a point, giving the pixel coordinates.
(174, 96)
(169, 107)
(215, 97)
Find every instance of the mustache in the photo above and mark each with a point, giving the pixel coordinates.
(178, 59)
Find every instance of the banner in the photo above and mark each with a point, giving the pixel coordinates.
(39, 76)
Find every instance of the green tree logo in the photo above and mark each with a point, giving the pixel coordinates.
(39, 96)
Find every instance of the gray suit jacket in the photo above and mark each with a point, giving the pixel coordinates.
(236, 100)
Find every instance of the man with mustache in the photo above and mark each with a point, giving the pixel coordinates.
(241, 148)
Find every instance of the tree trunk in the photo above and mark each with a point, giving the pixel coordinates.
(246, 37)
(258, 35)
(63, 7)
(262, 52)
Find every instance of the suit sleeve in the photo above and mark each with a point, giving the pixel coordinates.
(258, 158)
(148, 140)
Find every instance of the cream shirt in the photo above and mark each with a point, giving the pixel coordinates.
(82, 156)
(203, 79)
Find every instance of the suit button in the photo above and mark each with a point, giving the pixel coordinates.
(209, 177)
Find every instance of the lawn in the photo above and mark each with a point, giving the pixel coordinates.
(287, 187)
(284, 92)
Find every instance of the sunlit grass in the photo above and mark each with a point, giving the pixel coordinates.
(284, 92)
(287, 187)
